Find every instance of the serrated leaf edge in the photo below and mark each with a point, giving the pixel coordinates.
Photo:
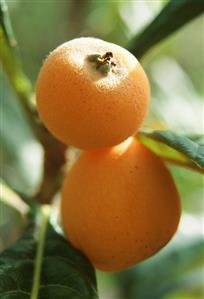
(190, 163)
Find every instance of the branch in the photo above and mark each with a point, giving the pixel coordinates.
(174, 15)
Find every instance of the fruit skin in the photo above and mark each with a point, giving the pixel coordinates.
(119, 205)
(82, 106)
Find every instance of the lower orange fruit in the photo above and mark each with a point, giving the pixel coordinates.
(119, 205)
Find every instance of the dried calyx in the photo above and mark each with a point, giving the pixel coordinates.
(103, 63)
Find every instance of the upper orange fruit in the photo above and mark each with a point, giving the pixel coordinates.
(92, 93)
(119, 205)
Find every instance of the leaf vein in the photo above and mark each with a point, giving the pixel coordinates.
(63, 287)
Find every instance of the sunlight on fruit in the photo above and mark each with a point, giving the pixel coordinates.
(84, 107)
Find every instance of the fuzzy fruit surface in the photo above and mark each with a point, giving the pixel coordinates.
(119, 205)
(92, 93)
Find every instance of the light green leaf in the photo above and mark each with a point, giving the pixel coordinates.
(11, 62)
(19, 152)
(174, 15)
(10, 57)
(13, 211)
(17, 138)
(178, 149)
(42, 264)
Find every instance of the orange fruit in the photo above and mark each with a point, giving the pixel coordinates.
(119, 205)
(92, 93)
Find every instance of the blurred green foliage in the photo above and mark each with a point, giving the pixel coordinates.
(175, 68)
(19, 152)
(178, 266)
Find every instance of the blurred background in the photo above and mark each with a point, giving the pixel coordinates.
(175, 69)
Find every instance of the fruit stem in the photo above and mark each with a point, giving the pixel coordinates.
(102, 63)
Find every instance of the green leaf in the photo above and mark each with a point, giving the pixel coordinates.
(176, 267)
(9, 55)
(178, 149)
(19, 152)
(11, 62)
(174, 15)
(42, 264)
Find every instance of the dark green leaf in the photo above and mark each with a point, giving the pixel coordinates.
(174, 15)
(177, 149)
(43, 265)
